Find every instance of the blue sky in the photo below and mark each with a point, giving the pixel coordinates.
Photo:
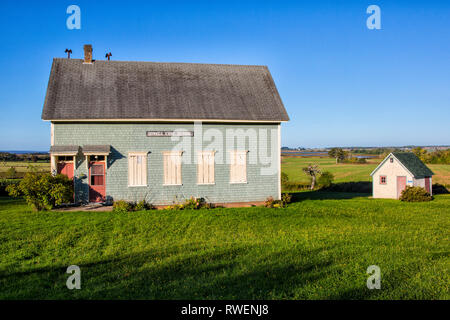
(342, 84)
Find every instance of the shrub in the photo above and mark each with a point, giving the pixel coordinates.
(284, 178)
(415, 194)
(272, 203)
(285, 199)
(192, 204)
(4, 183)
(123, 206)
(11, 173)
(326, 179)
(174, 207)
(43, 191)
(196, 203)
(143, 205)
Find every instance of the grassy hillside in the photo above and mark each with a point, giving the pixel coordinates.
(317, 248)
(345, 172)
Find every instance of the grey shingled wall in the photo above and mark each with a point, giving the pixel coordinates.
(128, 137)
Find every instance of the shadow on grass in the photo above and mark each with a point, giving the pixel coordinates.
(356, 187)
(325, 195)
(400, 280)
(189, 272)
(440, 189)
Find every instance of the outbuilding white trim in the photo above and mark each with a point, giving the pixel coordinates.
(385, 159)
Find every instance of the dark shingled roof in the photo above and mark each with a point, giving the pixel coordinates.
(65, 149)
(151, 90)
(413, 164)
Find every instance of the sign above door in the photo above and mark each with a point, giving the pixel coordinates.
(170, 133)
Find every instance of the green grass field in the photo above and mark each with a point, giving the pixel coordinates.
(345, 172)
(317, 248)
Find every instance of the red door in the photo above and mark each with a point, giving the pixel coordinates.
(401, 185)
(66, 168)
(427, 185)
(97, 182)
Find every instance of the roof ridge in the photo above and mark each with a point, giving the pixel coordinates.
(161, 62)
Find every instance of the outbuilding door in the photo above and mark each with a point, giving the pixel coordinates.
(427, 185)
(66, 168)
(401, 185)
(97, 181)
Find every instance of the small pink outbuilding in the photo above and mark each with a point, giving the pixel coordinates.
(398, 170)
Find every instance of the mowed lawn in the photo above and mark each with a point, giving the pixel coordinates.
(317, 248)
(345, 172)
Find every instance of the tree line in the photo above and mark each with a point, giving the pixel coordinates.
(433, 157)
(31, 157)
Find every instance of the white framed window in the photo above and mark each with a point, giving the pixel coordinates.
(205, 167)
(137, 169)
(238, 166)
(172, 167)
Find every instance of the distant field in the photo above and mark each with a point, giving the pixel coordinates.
(344, 172)
(442, 173)
(22, 167)
(293, 167)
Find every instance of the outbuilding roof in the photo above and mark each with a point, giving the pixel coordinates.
(411, 162)
(124, 90)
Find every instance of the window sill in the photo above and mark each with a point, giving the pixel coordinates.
(206, 184)
(169, 185)
(138, 186)
(245, 182)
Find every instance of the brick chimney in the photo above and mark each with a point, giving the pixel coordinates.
(87, 53)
